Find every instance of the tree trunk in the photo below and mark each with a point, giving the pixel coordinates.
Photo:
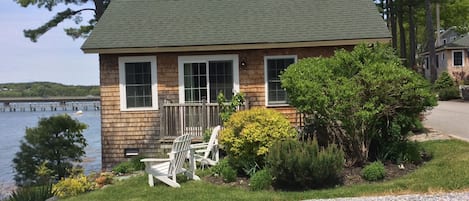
(388, 10)
(412, 36)
(402, 35)
(392, 14)
(430, 40)
(99, 5)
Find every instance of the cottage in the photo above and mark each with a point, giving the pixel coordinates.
(157, 54)
(452, 55)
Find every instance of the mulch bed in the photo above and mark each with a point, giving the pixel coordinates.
(352, 176)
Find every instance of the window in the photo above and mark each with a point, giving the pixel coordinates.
(137, 80)
(437, 60)
(204, 77)
(458, 58)
(427, 63)
(274, 65)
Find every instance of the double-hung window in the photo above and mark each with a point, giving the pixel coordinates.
(204, 77)
(137, 80)
(458, 58)
(274, 65)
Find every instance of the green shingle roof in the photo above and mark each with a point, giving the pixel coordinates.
(462, 42)
(177, 23)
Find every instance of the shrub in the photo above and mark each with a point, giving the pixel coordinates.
(304, 165)
(55, 144)
(444, 81)
(374, 171)
(223, 169)
(103, 179)
(448, 93)
(72, 186)
(248, 135)
(207, 134)
(216, 169)
(123, 168)
(136, 164)
(227, 109)
(358, 96)
(228, 174)
(36, 193)
(261, 180)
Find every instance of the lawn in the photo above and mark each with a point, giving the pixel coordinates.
(448, 171)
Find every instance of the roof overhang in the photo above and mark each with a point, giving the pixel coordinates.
(200, 48)
(445, 48)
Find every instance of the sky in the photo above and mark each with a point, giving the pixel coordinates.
(55, 57)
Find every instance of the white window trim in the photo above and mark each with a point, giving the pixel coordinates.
(154, 87)
(462, 57)
(206, 59)
(266, 84)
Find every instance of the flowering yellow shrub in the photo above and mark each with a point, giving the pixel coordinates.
(72, 186)
(248, 134)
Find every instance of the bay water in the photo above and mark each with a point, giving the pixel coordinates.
(12, 131)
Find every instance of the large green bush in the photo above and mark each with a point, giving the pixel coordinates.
(248, 135)
(55, 143)
(357, 97)
(304, 165)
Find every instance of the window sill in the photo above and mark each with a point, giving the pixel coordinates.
(278, 105)
(139, 109)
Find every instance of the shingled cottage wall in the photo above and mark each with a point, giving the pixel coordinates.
(140, 129)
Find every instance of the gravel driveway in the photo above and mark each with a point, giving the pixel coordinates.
(413, 197)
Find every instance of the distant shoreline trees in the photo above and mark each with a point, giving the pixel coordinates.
(46, 89)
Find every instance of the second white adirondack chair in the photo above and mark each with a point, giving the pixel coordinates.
(207, 153)
(166, 169)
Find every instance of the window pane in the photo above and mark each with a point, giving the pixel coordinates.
(138, 84)
(457, 58)
(220, 79)
(195, 82)
(276, 94)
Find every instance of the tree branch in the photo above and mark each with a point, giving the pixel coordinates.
(34, 34)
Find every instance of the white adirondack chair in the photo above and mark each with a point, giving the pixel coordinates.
(207, 153)
(166, 169)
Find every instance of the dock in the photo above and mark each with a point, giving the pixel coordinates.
(37, 104)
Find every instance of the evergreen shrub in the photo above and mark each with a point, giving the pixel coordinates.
(448, 93)
(374, 171)
(304, 165)
(248, 135)
(261, 180)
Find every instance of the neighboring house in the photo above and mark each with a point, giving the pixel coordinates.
(153, 52)
(452, 55)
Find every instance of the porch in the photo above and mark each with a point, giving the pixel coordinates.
(190, 118)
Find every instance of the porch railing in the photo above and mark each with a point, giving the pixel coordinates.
(189, 118)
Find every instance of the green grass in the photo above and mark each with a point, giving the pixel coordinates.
(446, 172)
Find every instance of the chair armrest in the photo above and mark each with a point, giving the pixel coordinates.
(199, 145)
(145, 160)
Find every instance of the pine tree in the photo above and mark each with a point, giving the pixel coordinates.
(56, 142)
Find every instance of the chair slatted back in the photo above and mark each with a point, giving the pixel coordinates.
(213, 140)
(180, 149)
